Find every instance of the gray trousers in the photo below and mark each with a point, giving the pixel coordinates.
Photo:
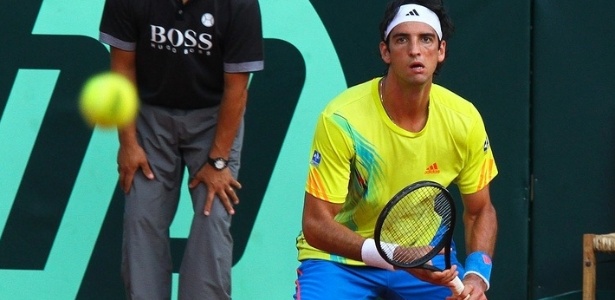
(176, 140)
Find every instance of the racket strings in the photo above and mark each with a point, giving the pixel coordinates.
(415, 225)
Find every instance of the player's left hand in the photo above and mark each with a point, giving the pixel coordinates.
(474, 288)
(220, 183)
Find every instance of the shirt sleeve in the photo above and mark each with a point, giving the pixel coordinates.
(117, 27)
(479, 168)
(330, 159)
(244, 44)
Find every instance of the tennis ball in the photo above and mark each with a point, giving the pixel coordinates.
(108, 100)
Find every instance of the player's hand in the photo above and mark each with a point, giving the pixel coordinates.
(131, 158)
(474, 289)
(220, 183)
(435, 277)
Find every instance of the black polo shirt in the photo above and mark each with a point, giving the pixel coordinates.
(182, 51)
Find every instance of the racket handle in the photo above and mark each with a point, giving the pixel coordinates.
(457, 286)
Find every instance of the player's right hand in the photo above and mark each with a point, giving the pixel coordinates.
(435, 277)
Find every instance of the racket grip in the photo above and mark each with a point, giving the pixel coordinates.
(457, 286)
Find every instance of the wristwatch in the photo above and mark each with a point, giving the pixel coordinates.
(218, 163)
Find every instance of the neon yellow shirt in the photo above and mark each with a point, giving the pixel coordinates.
(360, 158)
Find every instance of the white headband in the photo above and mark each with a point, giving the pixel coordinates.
(416, 13)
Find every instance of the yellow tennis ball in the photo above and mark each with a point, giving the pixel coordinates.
(109, 100)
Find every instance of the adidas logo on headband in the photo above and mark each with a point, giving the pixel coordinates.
(413, 13)
(410, 13)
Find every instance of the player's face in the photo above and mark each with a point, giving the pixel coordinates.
(413, 52)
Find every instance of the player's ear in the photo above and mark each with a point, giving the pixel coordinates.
(385, 54)
(442, 51)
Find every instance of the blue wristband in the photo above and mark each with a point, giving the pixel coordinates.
(479, 263)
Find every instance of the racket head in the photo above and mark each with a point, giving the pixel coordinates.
(415, 225)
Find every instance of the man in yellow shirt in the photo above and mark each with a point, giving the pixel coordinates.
(378, 137)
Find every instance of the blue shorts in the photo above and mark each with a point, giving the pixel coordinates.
(324, 280)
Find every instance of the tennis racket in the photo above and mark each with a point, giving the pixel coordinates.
(416, 225)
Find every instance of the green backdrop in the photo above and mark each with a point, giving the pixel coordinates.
(573, 140)
(539, 71)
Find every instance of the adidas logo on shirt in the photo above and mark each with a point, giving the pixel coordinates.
(432, 169)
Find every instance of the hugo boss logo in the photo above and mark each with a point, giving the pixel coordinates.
(174, 40)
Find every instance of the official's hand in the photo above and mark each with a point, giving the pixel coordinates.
(129, 160)
(218, 182)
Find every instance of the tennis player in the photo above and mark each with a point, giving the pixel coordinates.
(376, 138)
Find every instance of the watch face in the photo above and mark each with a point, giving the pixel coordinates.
(219, 164)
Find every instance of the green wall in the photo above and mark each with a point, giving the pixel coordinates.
(539, 71)
(573, 141)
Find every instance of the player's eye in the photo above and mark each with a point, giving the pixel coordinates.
(427, 39)
(401, 40)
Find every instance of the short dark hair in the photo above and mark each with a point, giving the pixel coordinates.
(437, 6)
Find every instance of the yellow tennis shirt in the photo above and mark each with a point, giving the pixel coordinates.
(360, 158)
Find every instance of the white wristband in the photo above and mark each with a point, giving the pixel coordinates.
(372, 257)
